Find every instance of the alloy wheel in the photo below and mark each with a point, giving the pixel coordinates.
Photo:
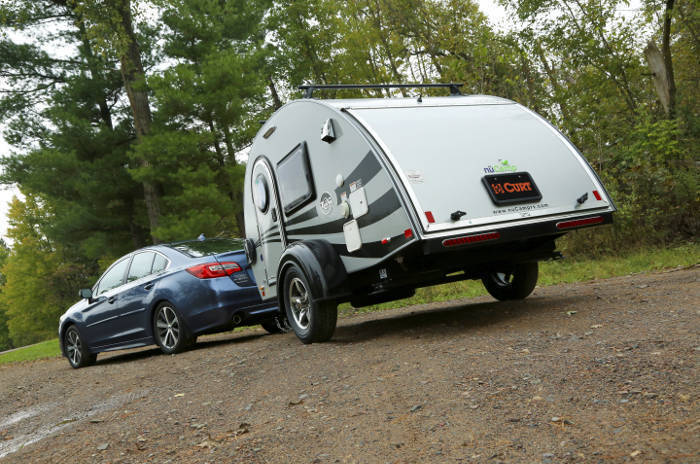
(299, 302)
(74, 347)
(168, 327)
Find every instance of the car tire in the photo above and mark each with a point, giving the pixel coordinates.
(277, 325)
(76, 350)
(311, 320)
(169, 330)
(515, 283)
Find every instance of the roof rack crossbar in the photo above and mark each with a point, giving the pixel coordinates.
(309, 88)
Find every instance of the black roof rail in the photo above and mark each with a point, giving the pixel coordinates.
(309, 88)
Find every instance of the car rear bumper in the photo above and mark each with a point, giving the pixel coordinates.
(213, 309)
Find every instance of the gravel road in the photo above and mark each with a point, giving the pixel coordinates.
(602, 371)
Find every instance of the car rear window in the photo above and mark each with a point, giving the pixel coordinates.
(214, 246)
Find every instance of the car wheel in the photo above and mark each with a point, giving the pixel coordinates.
(514, 283)
(277, 325)
(311, 320)
(169, 330)
(76, 350)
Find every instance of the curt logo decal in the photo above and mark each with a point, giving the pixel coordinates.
(501, 166)
(509, 187)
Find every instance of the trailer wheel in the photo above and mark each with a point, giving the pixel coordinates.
(311, 320)
(512, 284)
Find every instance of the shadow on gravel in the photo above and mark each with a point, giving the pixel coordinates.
(460, 318)
(146, 352)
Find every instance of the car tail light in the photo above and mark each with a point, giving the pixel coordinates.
(214, 270)
(408, 233)
(580, 222)
(450, 242)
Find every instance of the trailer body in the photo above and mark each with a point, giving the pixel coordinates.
(372, 198)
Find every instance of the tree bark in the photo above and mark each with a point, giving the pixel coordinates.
(668, 62)
(134, 82)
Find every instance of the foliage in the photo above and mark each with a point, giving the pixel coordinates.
(38, 280)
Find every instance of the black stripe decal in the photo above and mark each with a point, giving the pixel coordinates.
(366, 170)
(305, 216)
(271, 240)
(379, 209)
(271, 233)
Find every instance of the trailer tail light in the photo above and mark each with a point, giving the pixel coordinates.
(467, 239)
(408, 233)
(429, 216)
(214, 270)
(580, 222)
(597, 195)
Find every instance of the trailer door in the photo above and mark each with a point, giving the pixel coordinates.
(271, 236)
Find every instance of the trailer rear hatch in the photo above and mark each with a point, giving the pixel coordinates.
(468, 165)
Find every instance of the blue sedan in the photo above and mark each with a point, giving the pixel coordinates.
(167, 295)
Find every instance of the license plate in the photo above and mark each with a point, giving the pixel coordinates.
(511, 188)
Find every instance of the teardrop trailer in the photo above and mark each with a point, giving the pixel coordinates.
(365, 200)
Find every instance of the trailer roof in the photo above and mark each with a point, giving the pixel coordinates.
(366, 103)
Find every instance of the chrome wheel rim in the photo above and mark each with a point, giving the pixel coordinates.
(503, 279)
(299, 303)
(73, 347)
(168, 327)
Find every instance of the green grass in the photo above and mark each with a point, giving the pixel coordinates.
(551, 273)
(556, 272)
(47, 349)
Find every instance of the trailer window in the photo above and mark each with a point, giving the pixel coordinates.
(295, 181)
(261, 192)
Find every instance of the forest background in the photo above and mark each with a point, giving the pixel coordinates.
(129, 120)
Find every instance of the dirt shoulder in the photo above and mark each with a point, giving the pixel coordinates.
(603, 371)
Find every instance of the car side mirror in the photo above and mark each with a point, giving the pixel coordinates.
(85, 293)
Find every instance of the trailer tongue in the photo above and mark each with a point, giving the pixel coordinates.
(483, 161)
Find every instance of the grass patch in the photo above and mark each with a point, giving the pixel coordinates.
(47, 349)
(555, 272)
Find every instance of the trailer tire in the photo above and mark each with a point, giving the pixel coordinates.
(313, 321)
(513, 284)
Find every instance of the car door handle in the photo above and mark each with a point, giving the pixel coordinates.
(148, 286)
(111, 299)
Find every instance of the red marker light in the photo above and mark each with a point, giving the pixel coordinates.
(429, 215)
(579, 222)
(597, 195)
(385, 241)
(450, 242)
(408, 233)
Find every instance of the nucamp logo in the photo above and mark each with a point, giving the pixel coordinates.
(501, 166)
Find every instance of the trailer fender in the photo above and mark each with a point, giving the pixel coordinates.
(321, 265)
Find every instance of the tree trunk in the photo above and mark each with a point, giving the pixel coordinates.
(276, 102)
(661, 65)
(134, 82)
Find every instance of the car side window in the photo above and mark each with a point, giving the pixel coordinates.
(295, 181)
(140, 266)
(159, 263)
(114, 277)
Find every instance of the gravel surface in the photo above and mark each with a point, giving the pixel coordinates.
(602, 371)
